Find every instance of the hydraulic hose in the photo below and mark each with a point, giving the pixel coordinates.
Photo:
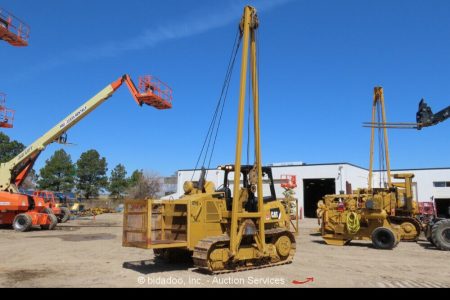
(353, 224)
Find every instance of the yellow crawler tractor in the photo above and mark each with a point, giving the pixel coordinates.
(239, 226)
(384, 215)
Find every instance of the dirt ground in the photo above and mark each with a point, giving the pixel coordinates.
(88, 253)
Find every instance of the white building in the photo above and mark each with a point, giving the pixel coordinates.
(316, 180)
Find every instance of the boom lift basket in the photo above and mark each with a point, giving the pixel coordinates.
(154, 224)
(288, 181)
(154, 92)
(13, 30)
(6, 115)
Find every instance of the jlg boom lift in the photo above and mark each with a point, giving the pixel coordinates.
(23, 211)
(223, 230)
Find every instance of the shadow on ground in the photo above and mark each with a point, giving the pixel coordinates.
(427, 245)
(349, 244)
(78, 237)
(147, 267)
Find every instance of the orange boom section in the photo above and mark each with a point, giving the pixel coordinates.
(13, 30)
(151, 91)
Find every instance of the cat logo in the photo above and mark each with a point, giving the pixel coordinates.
(275, 214)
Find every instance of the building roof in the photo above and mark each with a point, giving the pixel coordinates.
(282, 165)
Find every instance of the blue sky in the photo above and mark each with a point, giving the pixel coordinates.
(319, 62)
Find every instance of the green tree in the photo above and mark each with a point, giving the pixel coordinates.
(118, 182)
(148, 185)
(91, 174)
(58, 174)
(135, 178)
(8, 148)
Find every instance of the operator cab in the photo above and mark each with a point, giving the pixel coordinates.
(246, 182)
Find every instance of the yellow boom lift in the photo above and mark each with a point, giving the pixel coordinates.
(223, 231)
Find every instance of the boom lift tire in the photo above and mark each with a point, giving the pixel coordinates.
(440, 234)
(47, 211)
(383, 238)
(22, 223)
(65, 215)
(53, 223)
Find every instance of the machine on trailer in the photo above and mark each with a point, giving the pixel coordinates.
(384, 215)
(24, 211)
(236, 227)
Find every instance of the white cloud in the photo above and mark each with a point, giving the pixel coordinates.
(152, 37)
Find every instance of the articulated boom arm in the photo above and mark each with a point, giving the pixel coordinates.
(426, 118)
(15, 171)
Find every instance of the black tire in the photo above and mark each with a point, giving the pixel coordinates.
(22, 223)
(383, 238)
(53, 223)
(48, 211)
(440, 234)
(64, 216)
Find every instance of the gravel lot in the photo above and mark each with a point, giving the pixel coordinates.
(88, 253)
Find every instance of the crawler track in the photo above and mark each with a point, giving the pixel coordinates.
(205, 246)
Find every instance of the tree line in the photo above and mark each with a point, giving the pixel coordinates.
(87, 176)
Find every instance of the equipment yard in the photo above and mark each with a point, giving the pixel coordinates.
(128, 202)
(88, 253)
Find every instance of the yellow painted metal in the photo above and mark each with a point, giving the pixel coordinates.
(386, 141)
(390, 206)
(245, 30)
(222, 232)
(257, 130)
(372, 140)
(378, 100)
(248, 26)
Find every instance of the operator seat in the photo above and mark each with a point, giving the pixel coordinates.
(228, 198)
